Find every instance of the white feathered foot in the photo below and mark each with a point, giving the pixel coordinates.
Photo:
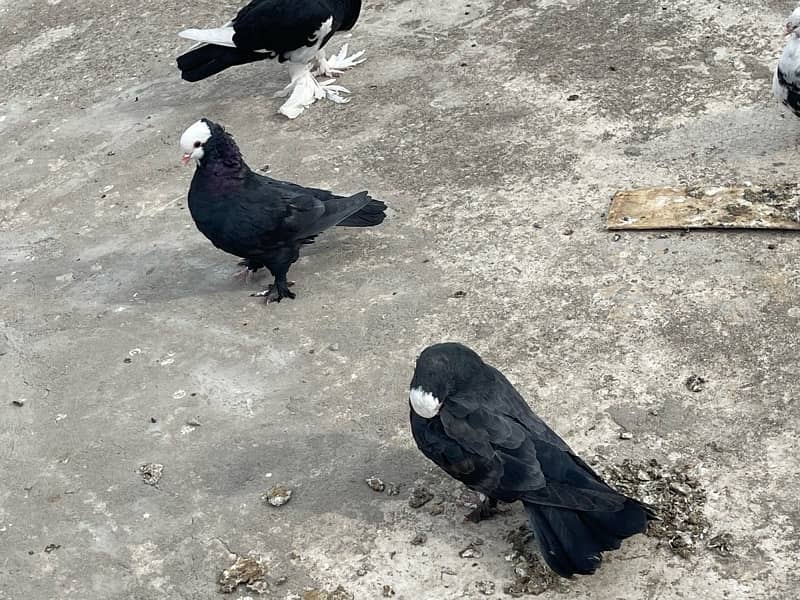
(338, 63)
(304, 89)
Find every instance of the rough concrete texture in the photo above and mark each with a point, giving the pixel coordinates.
(122, 330)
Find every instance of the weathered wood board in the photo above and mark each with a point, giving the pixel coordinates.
(776, 207)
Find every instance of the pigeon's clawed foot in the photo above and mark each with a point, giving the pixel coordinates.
(276, 292)
(338, 63)
(486, 510)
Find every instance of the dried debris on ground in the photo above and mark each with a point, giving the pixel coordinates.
(392, 489)
(721, 544)
(151, 473)
(674, 492)
(531, 575)
(376, 484)
(338, 594)
(695, 383)
(277, 495)
(420, 496)
(473, 550)
(419, 539)
(246, 570)
(484, 587)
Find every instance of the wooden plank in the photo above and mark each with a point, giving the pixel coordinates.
(776, 207)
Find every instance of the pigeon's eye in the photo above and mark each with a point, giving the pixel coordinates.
(198, 144)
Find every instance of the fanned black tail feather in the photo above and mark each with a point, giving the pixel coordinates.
(571, 541)
(370, 215)
(209, 60)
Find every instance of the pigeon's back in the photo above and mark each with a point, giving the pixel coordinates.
(247, 216)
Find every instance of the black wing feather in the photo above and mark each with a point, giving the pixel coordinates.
(268, 210)
(280, 26)
(494, 443)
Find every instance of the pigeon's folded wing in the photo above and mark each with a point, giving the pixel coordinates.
(277, 184)
(523, 458)
(502, 452)
(288, 211)
(279, 25)
(309, 215)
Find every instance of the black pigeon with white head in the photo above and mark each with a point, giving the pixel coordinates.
(292, 31)
(786, 80)
(467, 418)
(259, 219)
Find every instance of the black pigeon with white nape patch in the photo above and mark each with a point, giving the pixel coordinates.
(262, 220)
(468, 419)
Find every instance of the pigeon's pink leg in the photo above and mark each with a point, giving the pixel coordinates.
(245, 273)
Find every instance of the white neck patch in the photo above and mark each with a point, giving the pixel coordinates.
(425, 404)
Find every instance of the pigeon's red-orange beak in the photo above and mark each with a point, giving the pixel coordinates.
(185, 159)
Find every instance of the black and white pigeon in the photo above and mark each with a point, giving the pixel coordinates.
(467, 418)
(262, 220)
(786, 81)
(292, 31)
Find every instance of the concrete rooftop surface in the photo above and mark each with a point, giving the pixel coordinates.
(497, 132)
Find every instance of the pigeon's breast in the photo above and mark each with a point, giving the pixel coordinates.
(214, 210)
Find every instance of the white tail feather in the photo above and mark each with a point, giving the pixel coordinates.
(221, 36)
